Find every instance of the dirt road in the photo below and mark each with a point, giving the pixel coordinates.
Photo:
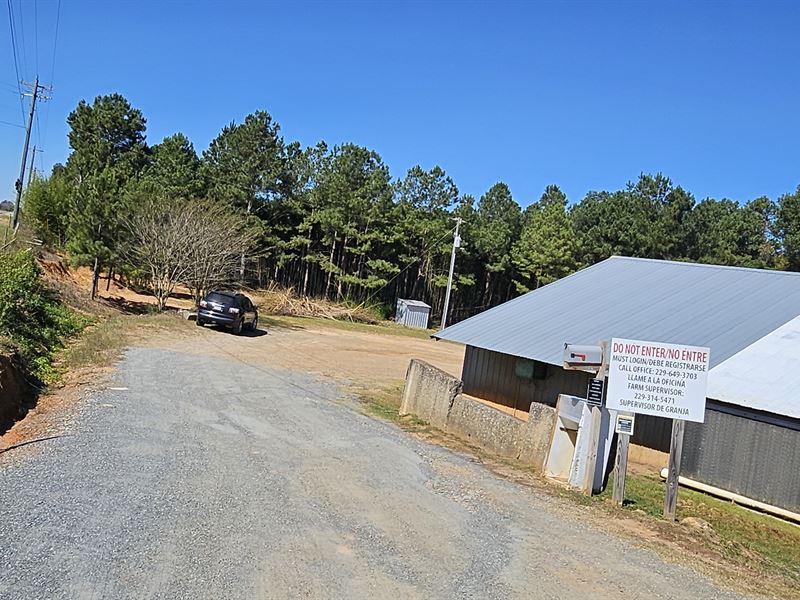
(223, 467)
(359, 357)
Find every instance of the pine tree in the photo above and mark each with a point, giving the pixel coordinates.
(547, 248)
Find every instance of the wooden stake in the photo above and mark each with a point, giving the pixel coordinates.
(621, 468)
(674, 470)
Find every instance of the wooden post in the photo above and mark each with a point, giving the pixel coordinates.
(674, 470)
(591, 459)
(594, 430)
(621, 468)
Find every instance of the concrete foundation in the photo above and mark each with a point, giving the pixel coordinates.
(537, 434)
(429, 393)
(486, 427)
(436, 397)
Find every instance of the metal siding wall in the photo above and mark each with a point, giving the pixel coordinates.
(495, 392)
(400, 312)
(491, 376)
(412, 316)
(559, 381)
(755, 459)
(652, 432)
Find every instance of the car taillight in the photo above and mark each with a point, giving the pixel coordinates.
(235, 311)
(203, 303)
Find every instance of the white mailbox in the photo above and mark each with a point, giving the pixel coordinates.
(582, 357)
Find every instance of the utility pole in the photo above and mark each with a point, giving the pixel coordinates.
(35, 94)
(33, 160)
(456, 244)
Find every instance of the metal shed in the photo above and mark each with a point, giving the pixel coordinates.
(412, 313)
(750, 318)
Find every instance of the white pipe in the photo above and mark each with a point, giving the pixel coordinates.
(743, 500)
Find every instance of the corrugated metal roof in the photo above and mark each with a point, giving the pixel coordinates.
(419, 303)
(765, 375)
(724, 308)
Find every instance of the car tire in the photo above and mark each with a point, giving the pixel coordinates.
(254, 324)
(198, 322)
(237, 327)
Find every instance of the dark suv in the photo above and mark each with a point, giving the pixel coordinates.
(229, 309)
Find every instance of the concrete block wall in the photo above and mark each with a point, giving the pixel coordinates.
(486, 427)
(436, 397)
(538, 434)
(429, 393)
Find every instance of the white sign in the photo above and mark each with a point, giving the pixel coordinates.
(625, 424)
(651, 378)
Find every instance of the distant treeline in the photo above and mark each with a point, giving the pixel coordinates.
(332, 221)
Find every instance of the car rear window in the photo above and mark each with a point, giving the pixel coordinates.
(221, 298)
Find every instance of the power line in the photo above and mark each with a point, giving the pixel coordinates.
(55, 45)
(22, 34)
(38, 143)
(52, 69)
(16, 60)
(12, 124)
(408, 266)
(36, 34)
(38, 132)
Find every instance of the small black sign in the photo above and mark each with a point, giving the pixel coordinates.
(594, 395)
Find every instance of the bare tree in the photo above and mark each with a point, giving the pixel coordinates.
(221, 239)
(159, 235)
(196, 243)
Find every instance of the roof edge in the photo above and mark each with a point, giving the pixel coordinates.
(519, 298)
(701, 265)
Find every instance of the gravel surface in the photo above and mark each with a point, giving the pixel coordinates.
(211, 478)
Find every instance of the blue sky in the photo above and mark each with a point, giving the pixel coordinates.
(584, 95)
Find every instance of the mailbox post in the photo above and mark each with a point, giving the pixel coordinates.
(591, 359)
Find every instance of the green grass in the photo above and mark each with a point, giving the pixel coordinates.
(378, 405)
(6, 233)
(384, 403)
(387, 328)
(101, 343)
(742, 536)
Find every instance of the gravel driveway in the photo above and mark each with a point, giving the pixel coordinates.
(211, 478)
